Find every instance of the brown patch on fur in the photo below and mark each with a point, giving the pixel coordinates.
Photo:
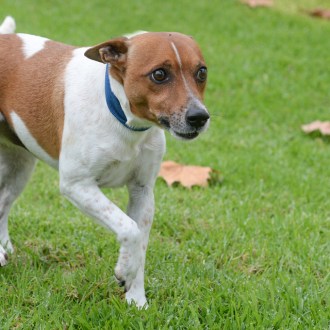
(34, 89)
(133, 60)
(151, 51)
(114, 52)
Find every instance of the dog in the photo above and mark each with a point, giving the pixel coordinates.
(97, 115)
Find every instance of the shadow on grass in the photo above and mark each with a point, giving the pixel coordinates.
(318, 137)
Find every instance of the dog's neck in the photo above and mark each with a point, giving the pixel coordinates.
(119, 106)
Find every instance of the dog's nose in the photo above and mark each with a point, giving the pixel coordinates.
(197, 117)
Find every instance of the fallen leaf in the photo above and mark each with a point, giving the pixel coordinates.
(186, 175)
(258, 3)
(322, 126)
(320, 13)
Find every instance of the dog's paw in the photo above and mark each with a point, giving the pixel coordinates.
(136, 296)
(129, 261)
(3, 257)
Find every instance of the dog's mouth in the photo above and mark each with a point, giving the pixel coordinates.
(181, 135)
(165, 123)
(186, 136)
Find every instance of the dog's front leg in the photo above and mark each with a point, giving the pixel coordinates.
(140, 209)
(86, 195)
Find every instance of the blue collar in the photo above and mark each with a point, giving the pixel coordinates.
(114, 105)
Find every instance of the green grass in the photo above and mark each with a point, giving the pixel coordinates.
(250, 253)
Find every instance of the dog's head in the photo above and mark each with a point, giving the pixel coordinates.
(164, 77)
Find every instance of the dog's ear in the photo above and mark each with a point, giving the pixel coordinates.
(113, 51)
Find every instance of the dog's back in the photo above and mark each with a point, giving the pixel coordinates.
(8, 63)
(30, 82)
(7, 60)
(8, 26)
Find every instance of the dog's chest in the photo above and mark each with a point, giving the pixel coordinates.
(117, 165)
(122, 163)
(117, 173)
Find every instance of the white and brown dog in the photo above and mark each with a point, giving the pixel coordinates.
(96, 114)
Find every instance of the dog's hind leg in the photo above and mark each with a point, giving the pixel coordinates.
(16, 165)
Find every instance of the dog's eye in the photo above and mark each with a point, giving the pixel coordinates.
(201, 74)
(159, 76)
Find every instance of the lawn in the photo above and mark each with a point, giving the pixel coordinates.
(251, 252)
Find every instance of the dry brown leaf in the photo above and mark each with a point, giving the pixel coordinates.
(186, 175)
(322, 126)
(258, 3)
(320, 13)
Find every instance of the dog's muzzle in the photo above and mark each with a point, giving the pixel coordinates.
(186, 126)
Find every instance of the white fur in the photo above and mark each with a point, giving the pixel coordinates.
(30, 142)
(99, 151)
(8, 25)
(180, 66)
(32, 44)
(3, 256)
(136, 33)
(96, 151)
(16, 165)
